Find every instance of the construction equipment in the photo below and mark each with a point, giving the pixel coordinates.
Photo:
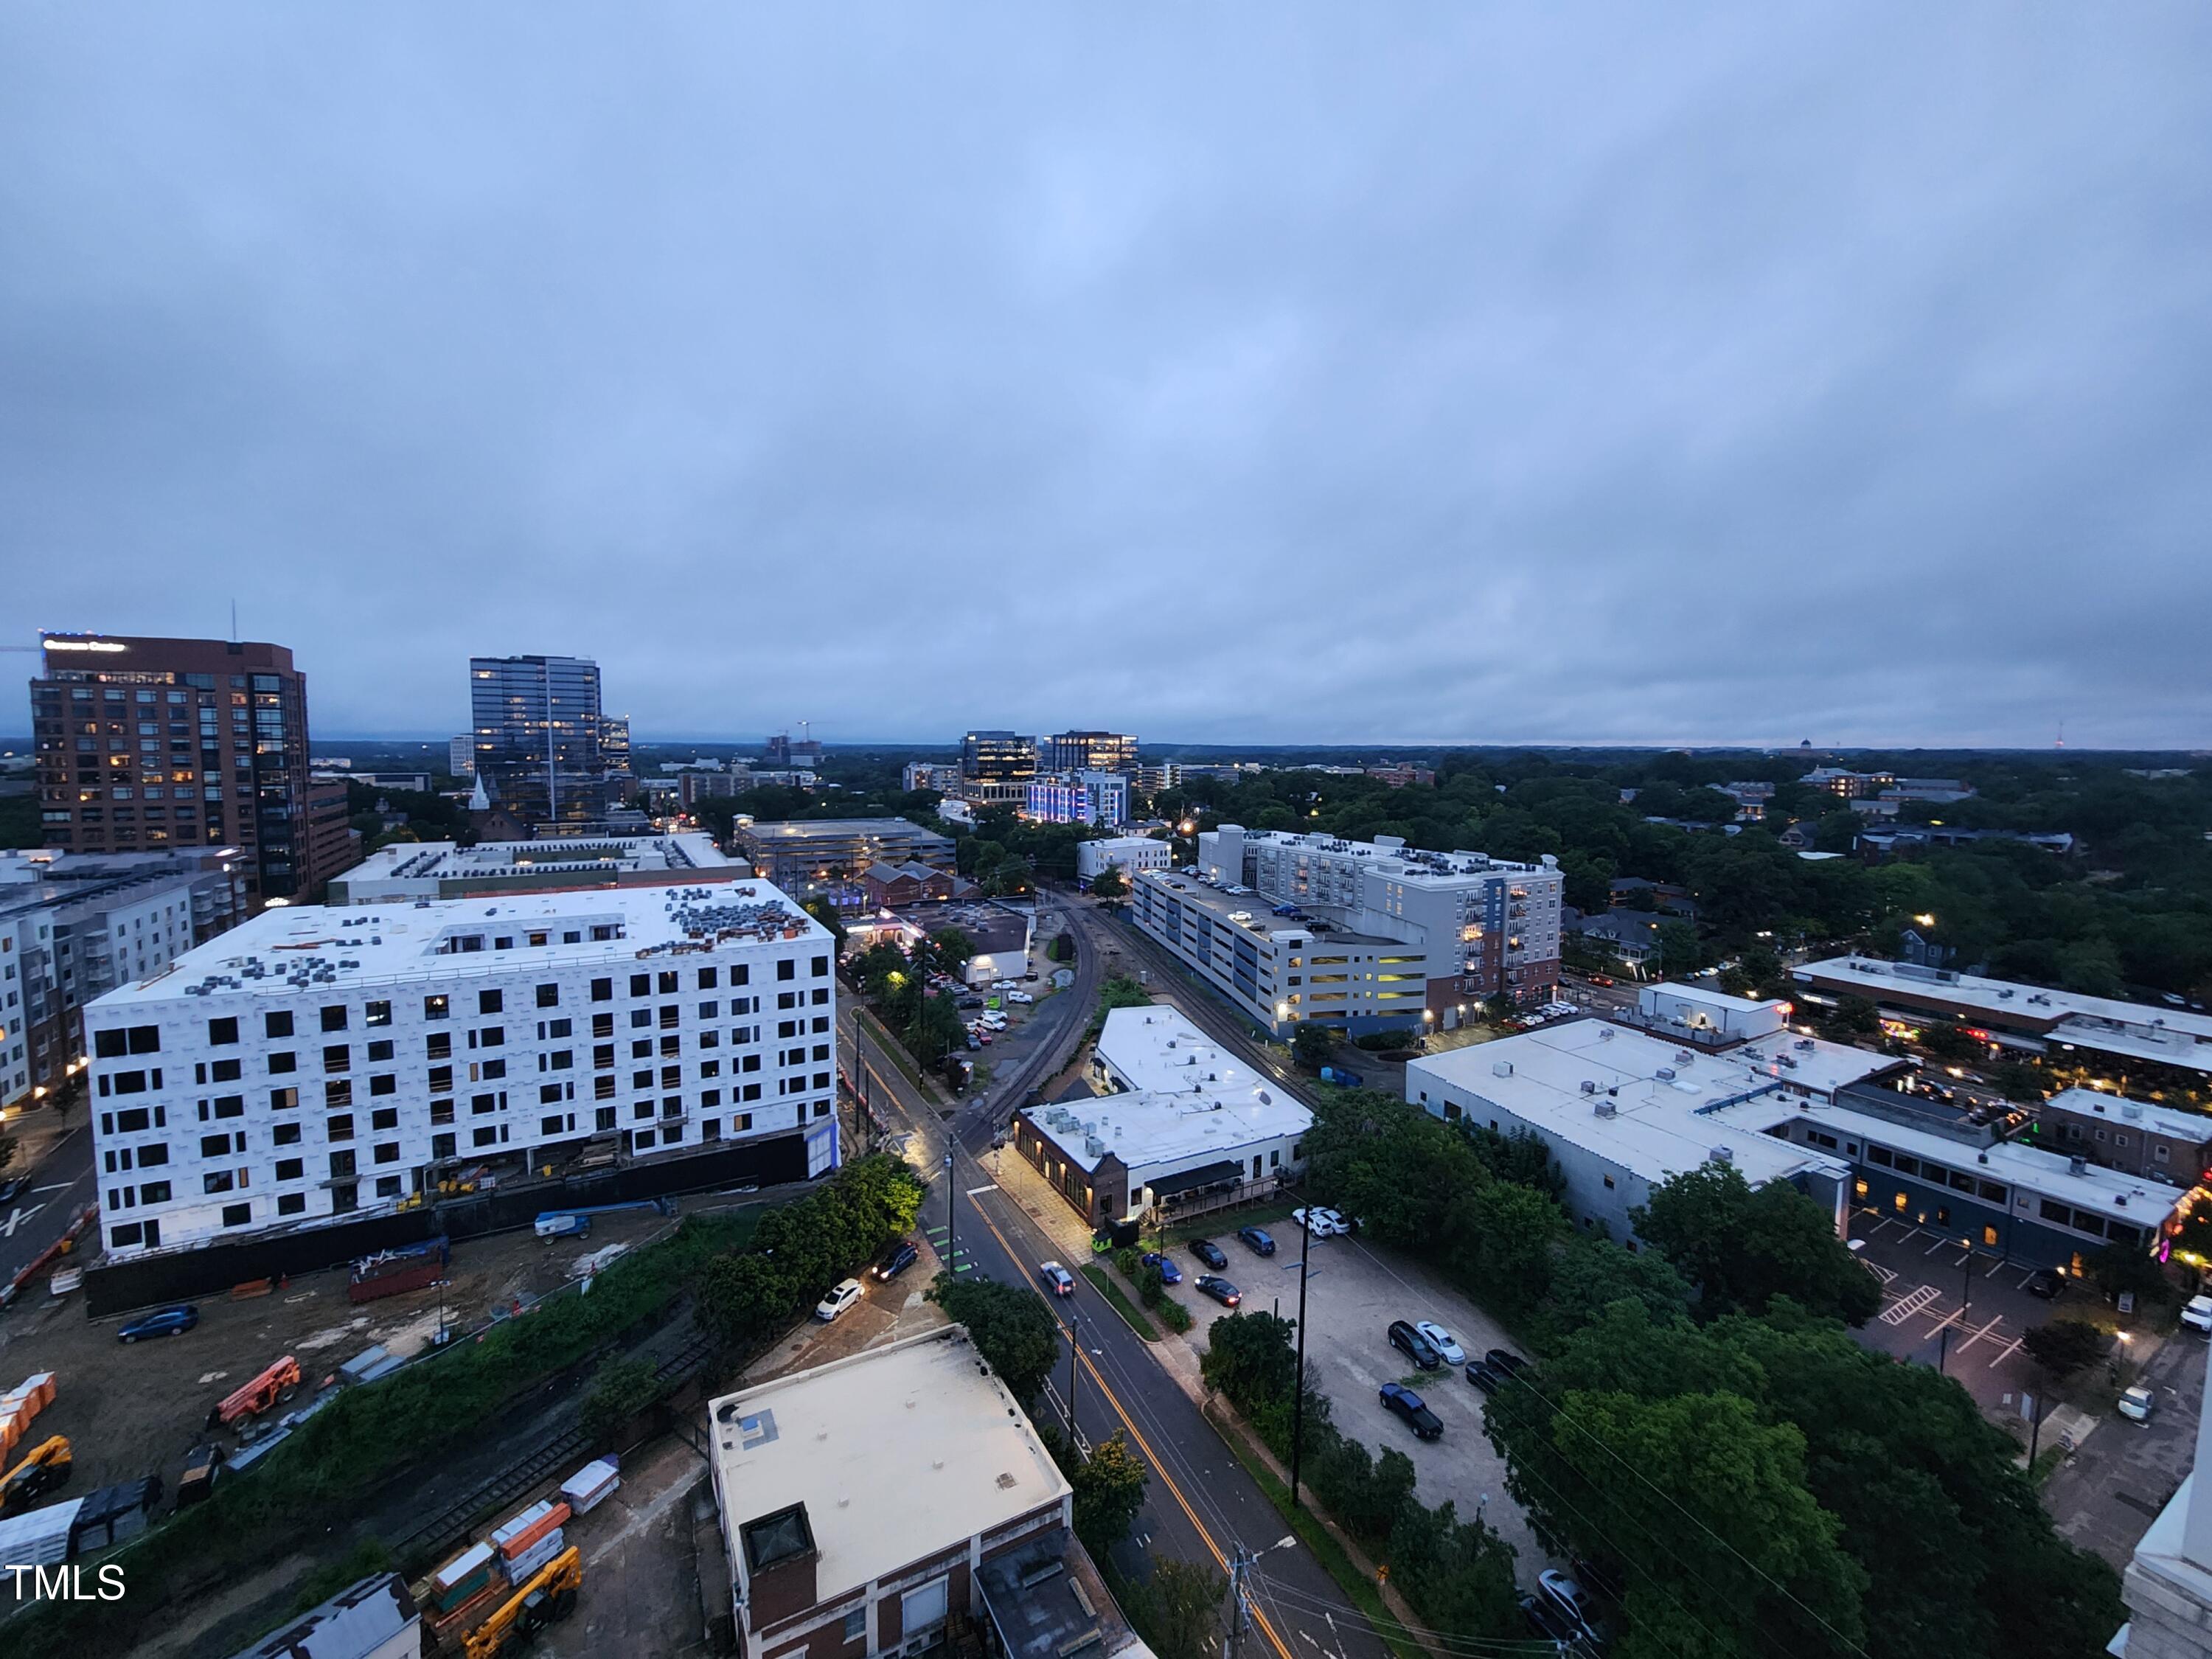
(46, 1466)
(548, 1595)
(276, 1385)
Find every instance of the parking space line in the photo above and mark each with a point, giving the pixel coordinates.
(2005, 1354)
(1995, 1321)
(2025, 1278)
(1994, 1266)
(1949, 1319)
(1936, 1246)
(1885, 1275)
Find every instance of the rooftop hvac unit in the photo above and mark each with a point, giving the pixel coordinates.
(1501, 1068)
(1605, 1034)
(1607, 1109)
(2077, 1166)
(1666, 1074)
(1803, 1043)
(1588, 1086)
(1723, 1155)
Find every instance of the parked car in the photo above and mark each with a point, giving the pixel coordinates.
(1485, 1376)
(1219, 1289)
(170, 1321)
(1170, 1273)
(1057, 1279)
(896, 1259)
(973, 1041)
(1321, 1221)
(1208, 1252)
(983, 1039)
(1506, 1362)
(838, 1301)
(1574, 1603)
(1003, 984)
(2047, 1283)
(1020, 997)
(1402, 1403)
(2137, 1404)
(1441, 1340)
(1415, 1346)
(1257, 1239)
(969, 1000)
(13, 1188)
(2197, 1315)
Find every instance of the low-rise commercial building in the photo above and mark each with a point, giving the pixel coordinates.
(895, 1502)
(894, 886)
(2132, 1135)
(811, 856)
(1186, 1123)
(1127, 853)
(446, 870)
(2062, 1026)
(1623, 1111)
(314, 1065)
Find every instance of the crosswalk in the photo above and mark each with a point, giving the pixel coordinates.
(958, 1253)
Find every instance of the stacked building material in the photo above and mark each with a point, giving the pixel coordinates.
(532, 1539)
(19, 1407)
(462, 1579)
(589, 1487)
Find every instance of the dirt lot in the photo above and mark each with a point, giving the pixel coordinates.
(132, 1411)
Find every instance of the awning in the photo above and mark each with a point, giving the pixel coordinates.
(1210, 1174)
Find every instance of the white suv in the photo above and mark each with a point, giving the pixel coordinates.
(2197, 1315)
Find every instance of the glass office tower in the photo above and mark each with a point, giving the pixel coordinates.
(538, 733)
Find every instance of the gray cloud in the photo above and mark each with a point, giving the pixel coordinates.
(1418, 374)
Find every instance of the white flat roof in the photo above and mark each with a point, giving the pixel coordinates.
(896, 1453)
(2111, 1193)
(1156, 1048)
(1150, 1131)
(2172, 1037)
(446, 860)
(2141, 1114)
(1411, 864)
(1660, 1127)
(343, 947)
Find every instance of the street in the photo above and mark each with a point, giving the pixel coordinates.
(1201, 1503)
(56, 1156)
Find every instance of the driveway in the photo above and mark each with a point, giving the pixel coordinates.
(2106, 1498)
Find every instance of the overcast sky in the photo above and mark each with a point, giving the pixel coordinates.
(1448, 372)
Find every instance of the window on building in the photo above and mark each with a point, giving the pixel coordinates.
(334, 1019)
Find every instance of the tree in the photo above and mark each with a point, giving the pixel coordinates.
(1109, 886)
(1310, 1045)
(1177, 1610)
(826, 913)
(1678, 950)
(1249, 1358)
(1109, 1490)
(2063, 1347)
(2116, 1269)
(1743, 1245)
(953, 949)
(1014, 1331)
(621, 1388)
(935, 1028)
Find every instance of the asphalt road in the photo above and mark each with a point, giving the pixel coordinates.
(1200, 1505)
(61, 1185)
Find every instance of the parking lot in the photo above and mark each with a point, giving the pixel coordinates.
(1353, 1293)
(1967, 1308)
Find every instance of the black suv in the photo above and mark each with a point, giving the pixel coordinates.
(1257, 1238)
(1208, 1252)
(1415, 1346)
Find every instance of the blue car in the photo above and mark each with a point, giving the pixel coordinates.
(1170, 1273)
(170, 1321)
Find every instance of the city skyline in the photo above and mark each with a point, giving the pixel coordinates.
(1434, 377)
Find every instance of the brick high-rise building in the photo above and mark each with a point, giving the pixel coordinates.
(145, 745)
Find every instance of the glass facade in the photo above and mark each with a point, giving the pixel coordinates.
(538, 733)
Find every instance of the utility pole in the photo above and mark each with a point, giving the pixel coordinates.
(1234, 1643)
(1299, 1387)
(951, 1213)
(1074, 1364)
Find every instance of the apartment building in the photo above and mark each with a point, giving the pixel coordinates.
(1089, 752)
(1129, 853)
(1483, 927)
(1099, 797)
(1000, 757)
(73, 926)
(461, 756)
(816, 856)
(324, 1063)
(1257, 962)
(540, 737)
(445, 870)
(147, 744)
(929, 774)
(898, 1501)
